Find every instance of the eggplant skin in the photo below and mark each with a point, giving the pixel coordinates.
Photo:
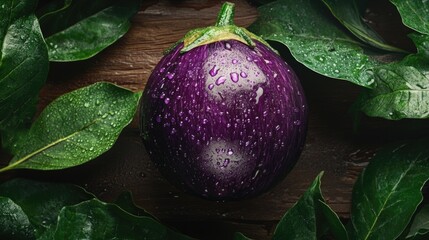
(224, 120)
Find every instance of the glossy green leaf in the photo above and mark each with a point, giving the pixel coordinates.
(83, 29)
(402, 88)
(315, 40)
(23, 63)
(14, 223)
(349, 14)
(76, 128)
(388, 191)
(126, 202)
(97, 220)
(333, 221)
(42, 202)
(308, 219)
(240, 236)
(420, 224)
(300, 222)
(414, 14)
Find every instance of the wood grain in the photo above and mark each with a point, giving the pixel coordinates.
(332, 145)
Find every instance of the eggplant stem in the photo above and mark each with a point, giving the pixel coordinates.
(226, 15)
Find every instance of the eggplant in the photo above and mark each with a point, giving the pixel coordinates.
(222, 115)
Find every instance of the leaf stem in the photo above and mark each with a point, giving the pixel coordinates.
(25, 158)
(226, 15)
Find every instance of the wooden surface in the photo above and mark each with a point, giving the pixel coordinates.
(332, 145)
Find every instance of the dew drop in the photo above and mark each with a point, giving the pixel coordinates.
(211, 86)
(243, 75)
(297, 122)
(167, 100)
(170, 75)
(220, 80)
(226, 162)
(234, 61)
(227, 46)
(234, 77)
(213, 72)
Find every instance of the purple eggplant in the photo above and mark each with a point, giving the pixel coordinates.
(222, 115)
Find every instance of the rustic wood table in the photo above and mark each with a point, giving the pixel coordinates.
(332, 144)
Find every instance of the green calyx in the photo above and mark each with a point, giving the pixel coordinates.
(225, 29)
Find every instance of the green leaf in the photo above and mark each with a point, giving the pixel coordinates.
(240, 236)
(402, 88)
(97, 220)
(315, 40)
(76, 128)
(31, 209)
(348, 13)
(23, 63)
(308, 219)
(126, 202)
(52, 8)
(299, 222)
(414, 14)
(333, 222)
(388, 191)
(14, 223)
(83, 29)
(420, 223)
(42, 202)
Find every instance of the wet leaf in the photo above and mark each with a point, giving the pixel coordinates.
(77, 30)
(420, 224)
(401, 89)
(349, 14)
(23, 63)
(315, 40)
(41, 202)
(299, 222)
(97, 220)
(76, 128)
(388, 191)
(14, 223)
(414, 14)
